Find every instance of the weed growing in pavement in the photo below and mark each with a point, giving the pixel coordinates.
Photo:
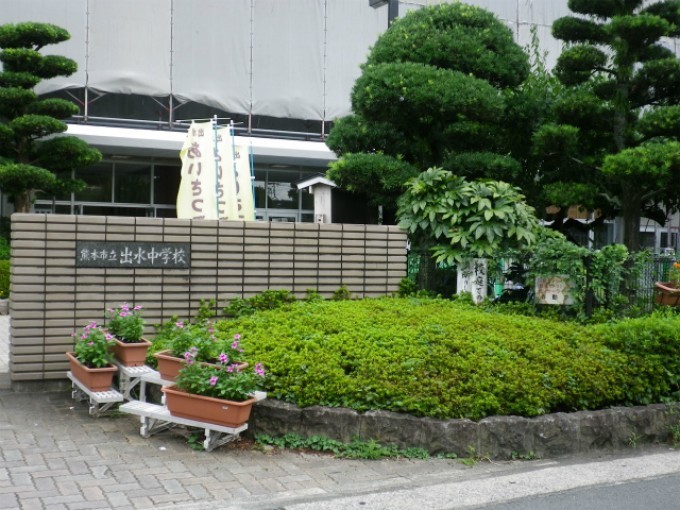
(357, 449)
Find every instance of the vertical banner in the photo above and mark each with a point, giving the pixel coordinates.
(237, 159)
(196, 198)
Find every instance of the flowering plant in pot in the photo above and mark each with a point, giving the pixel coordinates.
(91, 358)
(126, 324)
(222, 394)
(195, 341)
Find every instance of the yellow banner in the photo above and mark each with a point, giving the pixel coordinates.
(196, 194)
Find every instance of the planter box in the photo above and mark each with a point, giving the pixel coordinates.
(131, 354)
(666, 293)
(207, 409)
(95, 379)
(169, 366)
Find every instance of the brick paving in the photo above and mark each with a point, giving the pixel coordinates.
(54, 455)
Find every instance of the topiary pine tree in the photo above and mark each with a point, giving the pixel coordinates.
(29, 154)
(431, 93)
(620, 122)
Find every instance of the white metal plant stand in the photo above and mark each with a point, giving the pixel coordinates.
(129, 377)
(100, 401)
(156, 418)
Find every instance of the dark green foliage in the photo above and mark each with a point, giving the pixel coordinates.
(266, 300)
(58, 108)
(579, 29)
(377, 177)
(432, 89)
(32, 127)
(13, 178)
(28, 162)
(457, 37)
(624, 79)
(448, 360)
(576, 64)
(4, 270)
(5, 249)
(31, 35)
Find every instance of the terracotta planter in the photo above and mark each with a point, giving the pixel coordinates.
(666, 294)
(169, 365)
(131, 354)
(207, 409)
(95, 379)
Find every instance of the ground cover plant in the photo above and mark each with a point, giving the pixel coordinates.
(433, 357)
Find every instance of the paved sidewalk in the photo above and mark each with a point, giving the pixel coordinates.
(53, 455)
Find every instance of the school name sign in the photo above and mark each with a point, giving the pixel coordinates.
(133, 255)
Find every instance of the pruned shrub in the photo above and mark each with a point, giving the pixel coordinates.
(432, 357)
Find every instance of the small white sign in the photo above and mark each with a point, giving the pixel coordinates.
(555, 290)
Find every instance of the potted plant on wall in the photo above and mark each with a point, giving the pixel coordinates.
(196, 342)
(126, 324)
(668, 293)
(90, 361)
(221, 394)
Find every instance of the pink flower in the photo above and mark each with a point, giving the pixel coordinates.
(223, 358)
(137, 307)
(90, 343)
(259, 369)
(237, 337)
(235, 345)
(231, 368)
(123, 313)
(109, 336)
(213, 380)
(179, 324)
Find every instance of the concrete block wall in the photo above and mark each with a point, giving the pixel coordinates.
(50, 297)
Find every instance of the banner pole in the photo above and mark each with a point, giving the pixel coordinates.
(217, 170)
(252, 174)
(233, 158)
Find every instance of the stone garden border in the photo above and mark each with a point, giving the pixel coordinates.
(497, 437)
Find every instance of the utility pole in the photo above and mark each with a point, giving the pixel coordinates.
(392, 8)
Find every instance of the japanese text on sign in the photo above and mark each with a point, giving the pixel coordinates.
(132, 255)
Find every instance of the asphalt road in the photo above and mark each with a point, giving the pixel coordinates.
(649, 481)
(657, 494)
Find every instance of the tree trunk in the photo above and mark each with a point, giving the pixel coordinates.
(23, 202)
(631, 210)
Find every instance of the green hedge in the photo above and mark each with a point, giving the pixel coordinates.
(4, 279)
(448, 360)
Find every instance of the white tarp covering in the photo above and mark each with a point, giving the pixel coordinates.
(211, 53)
(288, 58)
(129, 46)
(345, 53)
(282, 58)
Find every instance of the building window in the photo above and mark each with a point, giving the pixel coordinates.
(99, 180)
(132, 183)
(146, 188)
